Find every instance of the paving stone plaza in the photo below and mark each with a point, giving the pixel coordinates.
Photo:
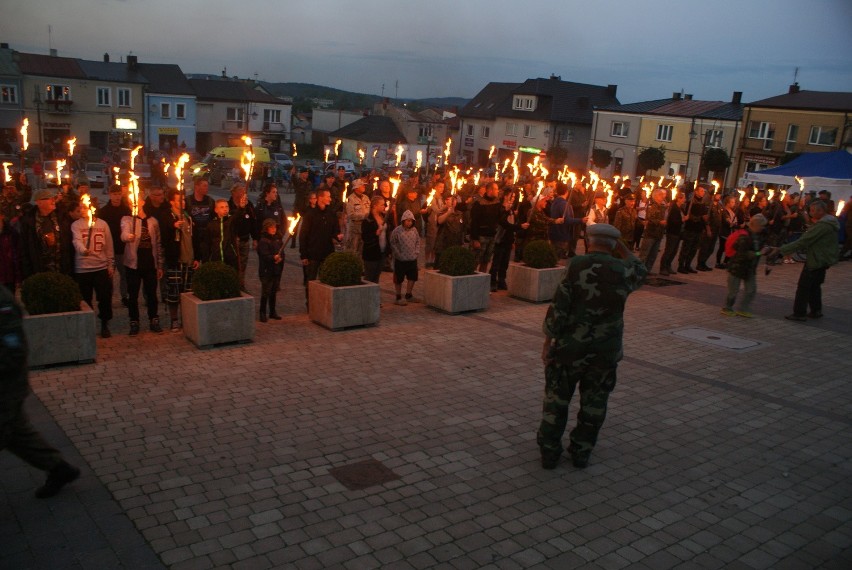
(727, 443)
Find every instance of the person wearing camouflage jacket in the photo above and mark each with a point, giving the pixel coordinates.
(583, 342)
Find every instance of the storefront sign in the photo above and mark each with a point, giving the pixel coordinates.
(760, 159)
(530, 149)
(468, 141)
(510, 144)
(125, 124)
(168, 131)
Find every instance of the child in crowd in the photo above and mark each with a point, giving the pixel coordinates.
(270, 265)
(219, 243)
(405, 244)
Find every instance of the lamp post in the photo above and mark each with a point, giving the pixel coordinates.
(692, 135)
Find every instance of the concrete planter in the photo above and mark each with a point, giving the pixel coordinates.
(338, 308)
(456, 293)
(530, 284)
(59, 338)
(208, 323)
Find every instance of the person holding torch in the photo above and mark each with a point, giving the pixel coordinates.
(94, 261)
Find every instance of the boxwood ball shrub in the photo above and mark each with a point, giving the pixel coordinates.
(540, 254)
(457, 260)
(50, 292)
(341, 269)
(215, 280)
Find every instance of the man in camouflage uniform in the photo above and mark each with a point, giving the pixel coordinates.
(583, 331)
(16, 432)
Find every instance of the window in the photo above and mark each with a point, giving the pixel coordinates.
(166, 110)
(123, 97)
(234, 114)
(529, 131)
(180, 110)
(664, 132)
(54, 92)
(104, 96)
(523, 103)
(713, 138)
(567, 135)
(425, 131)
(792, 135)
(512, 129)
(485, 132)
(8, 94)
(619, 129)
(758, 130)
(823, 136)
(272, 116)
(470, 130)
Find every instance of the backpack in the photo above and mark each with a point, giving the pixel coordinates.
(731, 242)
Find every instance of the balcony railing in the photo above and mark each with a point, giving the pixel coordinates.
(58, 106)
(232, 126)
(273, 127)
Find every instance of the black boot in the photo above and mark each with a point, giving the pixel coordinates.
(57, 478)
(272, 313)
(105, 332)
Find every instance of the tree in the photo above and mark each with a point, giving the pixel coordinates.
(652, 158)
(716, 159)
(601, 157)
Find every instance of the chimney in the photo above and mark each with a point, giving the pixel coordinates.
(53, 52)
(687, 97)
(676, 96)
(611, 90)
(737, 98)
(106, 58)
(555, 77)
(794, 88)
(132, 62)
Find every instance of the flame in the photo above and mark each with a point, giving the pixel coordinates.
(660, 183)
(647, 191)
(715, 186)
(71, 144)
(505, 165)
(677, 180)
(6, 176)
(771, 194)
(134, 193)
(87, 202)
(801, 182)
(515, 174)
(431, 196)
(520, 196)
(742, 194)
(375, 183)
(616, 178)
(116, 171)
(515, 158)
(544, 172)
(60, 164)
(293, 223)
(295, 151)
(395, 183)
(398, 154)
(361, 155)
(327, 151)
(674, 193)
(375, 152)
(783, 194)
(337, 147)
(447, 151)
(840, 206)
(491, 152)
(24, 129)
(247, 163)
(133, 154)
(419, 160)
(345, 190)
(184, 158)
(476, 178)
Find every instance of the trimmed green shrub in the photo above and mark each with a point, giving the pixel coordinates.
(457, 260)
(341, 269)
(215, 280)
(540, 254)
(50, 292)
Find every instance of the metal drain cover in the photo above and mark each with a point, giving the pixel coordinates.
(363, 474)
(718, 339)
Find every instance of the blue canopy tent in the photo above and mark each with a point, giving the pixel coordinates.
(830, 171)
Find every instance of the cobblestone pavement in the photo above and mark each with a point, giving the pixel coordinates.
(710, 457)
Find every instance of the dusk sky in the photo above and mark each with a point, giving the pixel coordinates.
(649, 48)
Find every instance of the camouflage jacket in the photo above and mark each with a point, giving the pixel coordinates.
(654, 218)
(586, 317)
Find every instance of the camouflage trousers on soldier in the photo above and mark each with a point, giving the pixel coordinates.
(560, 382)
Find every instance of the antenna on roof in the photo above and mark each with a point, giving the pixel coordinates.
(50, 38)
(796, 75)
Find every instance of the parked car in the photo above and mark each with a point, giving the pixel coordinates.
(49, 168)
(347, 165)
(283, 160)
(222, 168)
(97, 174)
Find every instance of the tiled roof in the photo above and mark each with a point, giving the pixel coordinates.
(560, 101)
(813, 100)
(166, 79)
(373, 129)
(225, 90)
(110, 71)
(681, 108)
(48, 65)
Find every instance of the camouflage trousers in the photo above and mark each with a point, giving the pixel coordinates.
(560, 382)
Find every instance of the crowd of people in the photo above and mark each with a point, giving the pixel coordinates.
(392, 225)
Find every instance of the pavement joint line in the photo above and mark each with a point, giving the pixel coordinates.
(720, 384)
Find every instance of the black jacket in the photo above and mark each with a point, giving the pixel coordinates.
(319, 230)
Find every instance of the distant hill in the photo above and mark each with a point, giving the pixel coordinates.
(303, 93)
